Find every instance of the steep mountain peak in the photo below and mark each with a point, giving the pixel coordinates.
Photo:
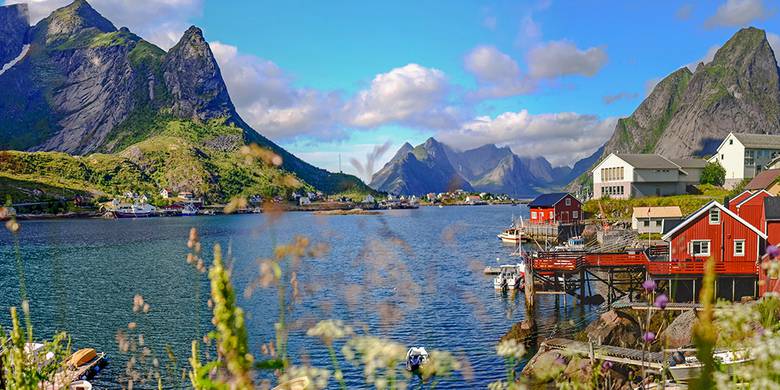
(193, 77)
(74, 19)
(14, 25)
(746, 43)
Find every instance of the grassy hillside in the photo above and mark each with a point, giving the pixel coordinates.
(621, 209)
(208, 159)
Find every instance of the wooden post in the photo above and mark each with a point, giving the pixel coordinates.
(609, 288)
(529, 284)
(565, 291)
(582, 285)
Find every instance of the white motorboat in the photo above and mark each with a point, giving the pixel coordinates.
(513, 234)
(134, 210)
(690, 368)
(573, 244)
(416, 357)
(499, 281)
(81, 385)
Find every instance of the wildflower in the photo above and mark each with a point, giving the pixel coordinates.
(510, 349)
(12, 226)
(606, 366)
(315, 378)
(648, 337)
(649, 285)
(661, 301)
(440, 364)
(330, 330)
(773, 251)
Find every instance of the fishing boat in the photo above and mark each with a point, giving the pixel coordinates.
(499, 281)
(514, 233)
(573, 244)
(686, 368)
(416, 357)
(135, 210)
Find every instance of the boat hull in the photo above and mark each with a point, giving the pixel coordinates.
(120, 214)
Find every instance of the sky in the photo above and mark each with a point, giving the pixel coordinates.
(357, 79)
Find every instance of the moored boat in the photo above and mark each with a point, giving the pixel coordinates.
(686, 368)
(513, 234)
(416, 357)
(135, 210)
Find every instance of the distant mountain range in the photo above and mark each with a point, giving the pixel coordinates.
(86, 88)
(436, 167)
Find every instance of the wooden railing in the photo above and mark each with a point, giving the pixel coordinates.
(615, 259)
(696, 267)
(558, 261)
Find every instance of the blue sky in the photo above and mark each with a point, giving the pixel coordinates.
(324, 78)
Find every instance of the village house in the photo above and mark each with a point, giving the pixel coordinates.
(369, 199)
(165, 193)
(744, 155)
(624, 176)
(652, 219)
(559, 207)
(474, 200)
(765, 180)
(751, 208)
(733, 202)
(712, 232)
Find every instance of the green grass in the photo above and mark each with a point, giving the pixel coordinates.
(621, 209)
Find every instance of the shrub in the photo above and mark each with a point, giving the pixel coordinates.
(713, 173)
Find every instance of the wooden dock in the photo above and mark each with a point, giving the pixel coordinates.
(678, 306)
(634, 357)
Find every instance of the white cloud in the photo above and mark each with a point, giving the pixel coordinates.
(530, 32)
(737, 13)
(774, 43)
(498, 74)
(562, 138)
(650, 85)
(708, 56)
(159, 21)
(562, 58)
(265, 97)
(609, 99)
(411, 95)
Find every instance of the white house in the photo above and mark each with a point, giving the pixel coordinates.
(369, 199)
(652, 219)
(164, 193)
(304, 201)
(624, 176)
(745, 155)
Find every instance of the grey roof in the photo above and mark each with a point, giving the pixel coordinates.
(689, 162)
(759, 141)
(772, 208)
(671, 223)
(648, 161)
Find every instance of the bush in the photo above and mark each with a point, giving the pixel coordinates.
(713, 173)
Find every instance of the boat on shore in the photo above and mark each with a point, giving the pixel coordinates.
(686, 368)
(189, 210)
(416, 357)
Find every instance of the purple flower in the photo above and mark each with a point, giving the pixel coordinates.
(648, 337)
(773, 251)
(661, 301)
(648, 285)
(560, 360)
(606, 366)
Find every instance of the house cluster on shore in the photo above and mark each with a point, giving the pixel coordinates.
(743, 156)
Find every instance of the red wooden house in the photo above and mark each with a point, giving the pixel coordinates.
(751, 209)
(716, 232)
(771, 225)
(559, 207)
(732, 204)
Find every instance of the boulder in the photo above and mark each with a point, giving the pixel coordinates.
(614, 328)
(679, 332)
(545, 366)
(520, 331)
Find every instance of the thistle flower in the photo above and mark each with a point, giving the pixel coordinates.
(661, 301)
(649, 285)
(648, 337)
(606, 366)
(330, 330)
(773, 251)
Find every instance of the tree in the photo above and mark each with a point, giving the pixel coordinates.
(713, 173)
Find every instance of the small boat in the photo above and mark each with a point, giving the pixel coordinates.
(685, 368)
(135, 210)
(573, 244)
(189, 210)
(499, 281)
(416, 357)
(81, 385)
(513, 234)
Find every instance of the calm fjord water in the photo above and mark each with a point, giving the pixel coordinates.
(426, 264)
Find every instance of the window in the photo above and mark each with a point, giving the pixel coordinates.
(658, 223)
(731, 142)
(568, 201)
(612, 174)
(739, 247)
(722, 157)
(552, 215)
(647, 223)
(575, 214)
(533, 214)
(714, 216)
(700, 248)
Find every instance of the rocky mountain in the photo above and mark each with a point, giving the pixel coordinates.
(436, 167)
(689, 113)
(86, 87)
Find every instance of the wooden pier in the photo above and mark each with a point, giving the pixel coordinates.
(572, 273)
(64, 378)
(634, 357)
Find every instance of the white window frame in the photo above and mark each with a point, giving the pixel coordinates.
(742, 252)
(710, 214)
(703, 254)
(533, 214)
(552, 214)
(575, 214)
(568, 201)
